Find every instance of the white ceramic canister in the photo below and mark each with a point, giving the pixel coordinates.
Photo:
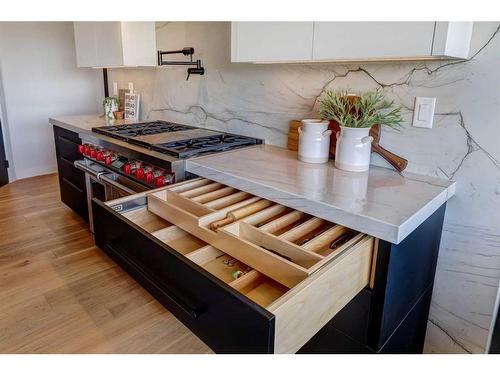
(353, 149)
(314, 141)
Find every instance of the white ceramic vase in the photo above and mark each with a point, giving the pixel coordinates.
(314, 141)
(353, 149)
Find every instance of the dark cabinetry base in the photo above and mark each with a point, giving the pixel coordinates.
(71, 180)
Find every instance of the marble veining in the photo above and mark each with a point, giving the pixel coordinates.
(382, 202)
(259, 100)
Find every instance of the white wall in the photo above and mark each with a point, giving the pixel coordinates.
(463, 145)
(40, 79)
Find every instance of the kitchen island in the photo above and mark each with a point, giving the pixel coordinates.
(370, 294)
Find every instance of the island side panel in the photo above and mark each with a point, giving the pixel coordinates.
(392, 317)
(405, 272)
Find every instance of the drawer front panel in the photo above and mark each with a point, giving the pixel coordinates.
(67, 144)
(218, 315)
(314, 302)
(68, 134)
(74, 197)
(67, 170)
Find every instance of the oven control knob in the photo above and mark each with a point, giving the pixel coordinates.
(149, 178)
(81, 149)
(99, 156)
(86, 150)
(93, 153)
(139, 173)
(127, 168)
(160, 181)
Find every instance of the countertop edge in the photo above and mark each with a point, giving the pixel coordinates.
(68, 126)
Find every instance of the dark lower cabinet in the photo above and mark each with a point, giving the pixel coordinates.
(71, 179)
(390, 317)
(409, 335)
(211, 309)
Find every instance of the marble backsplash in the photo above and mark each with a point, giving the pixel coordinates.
(464, 143)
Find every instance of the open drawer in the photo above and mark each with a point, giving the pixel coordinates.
(285, 244)
(222, 298)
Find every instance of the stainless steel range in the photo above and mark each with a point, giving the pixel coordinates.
(130, 158)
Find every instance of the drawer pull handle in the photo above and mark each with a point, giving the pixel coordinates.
(176, 300)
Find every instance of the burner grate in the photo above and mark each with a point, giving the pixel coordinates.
(198, 146)
(125, 132)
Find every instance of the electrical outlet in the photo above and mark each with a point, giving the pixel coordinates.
(423, 113)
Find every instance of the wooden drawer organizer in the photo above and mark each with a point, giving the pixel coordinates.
(284, 244)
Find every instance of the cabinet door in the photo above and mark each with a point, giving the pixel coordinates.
(139, 43)
(109, 44)
(452, 39)
(271, 41)
(369, 40)
(86, 53)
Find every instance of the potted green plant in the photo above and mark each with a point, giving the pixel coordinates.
(356, 114)
(110, 105)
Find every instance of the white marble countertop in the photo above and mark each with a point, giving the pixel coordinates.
(381, 202)
(83, 124)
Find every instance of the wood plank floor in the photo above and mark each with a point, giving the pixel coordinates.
(61, 294)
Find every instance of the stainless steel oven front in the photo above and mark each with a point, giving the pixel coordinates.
(104, 184)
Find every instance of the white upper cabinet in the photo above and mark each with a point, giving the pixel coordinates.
(271, 41)
(348, 41)
(368, 40)
(115, 44)
(452, 39)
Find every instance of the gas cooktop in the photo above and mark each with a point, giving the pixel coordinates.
(181, 141)
(198, 146)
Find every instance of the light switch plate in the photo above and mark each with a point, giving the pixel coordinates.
(423, 113)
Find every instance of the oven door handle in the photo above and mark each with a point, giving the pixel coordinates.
(109, 181)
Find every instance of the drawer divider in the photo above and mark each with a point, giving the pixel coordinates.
(282, 222)
(299, 231)
(227, 200)
(201, 190)
(207, 197)
(287, 249)
(188, 185)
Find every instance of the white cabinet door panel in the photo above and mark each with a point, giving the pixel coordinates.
(109, 44)
(368, 40)
(139, 43)
(271, 41)
(115, 44)
(86, 53)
